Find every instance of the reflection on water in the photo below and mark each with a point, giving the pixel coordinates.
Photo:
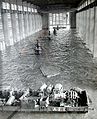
(21, 67)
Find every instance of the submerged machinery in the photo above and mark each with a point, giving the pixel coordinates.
(49, 98)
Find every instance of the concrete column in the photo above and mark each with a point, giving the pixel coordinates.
(25, 16)
(82, 26)
(17, 28)
(2, 43)
(77, 21)
(40, 22)
(29, 20)
(20, 21)
(95, 35)
(88, 28)
(81, 22)
(5, 28)
(85, 26)
(14, 22)
(30, 24)
(26, 24)
(37, 22)
(45, 21)
(35, 18)
(14, 27)
(73, 19)
(91, 33)
(21, 26)
(33, 23)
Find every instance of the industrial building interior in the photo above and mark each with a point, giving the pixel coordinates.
(69, 57)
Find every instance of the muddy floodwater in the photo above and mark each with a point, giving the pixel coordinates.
(64, 59)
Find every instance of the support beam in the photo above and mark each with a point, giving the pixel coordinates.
(73, 19)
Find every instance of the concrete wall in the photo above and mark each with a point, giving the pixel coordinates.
(17, 24)
(87, 26)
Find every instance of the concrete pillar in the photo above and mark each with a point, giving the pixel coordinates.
(45, 21)
(30, 24)
(81, 23)
(15, 27)
(77, 21)
(20, 20)
(40, 22)
(25, 16)
(33, 23)
(21, 26)
(26, 24)
(95, 34)
(91, 32)
(14, 22)
(88, 28)
(73, 19)
(29, 20)
(2, 43)
(33, 17)
(85, 26)
(37, 22)
(5, 28)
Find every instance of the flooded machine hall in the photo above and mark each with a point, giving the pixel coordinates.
(63, 59)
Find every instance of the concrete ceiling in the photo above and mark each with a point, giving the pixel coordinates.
(41, 3)
(48, 5)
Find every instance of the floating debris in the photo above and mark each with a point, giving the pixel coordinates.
(47, 98)
(50, 71)
(38, 49)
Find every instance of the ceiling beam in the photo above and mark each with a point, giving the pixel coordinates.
(54, 2)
